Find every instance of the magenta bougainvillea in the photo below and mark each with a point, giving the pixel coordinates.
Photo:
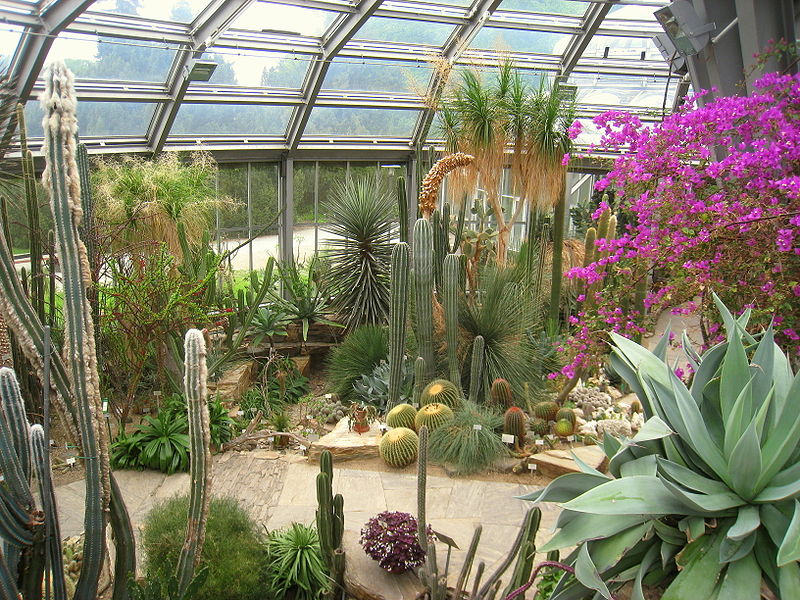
(714, 198)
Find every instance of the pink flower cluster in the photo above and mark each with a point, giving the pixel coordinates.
(713, 192)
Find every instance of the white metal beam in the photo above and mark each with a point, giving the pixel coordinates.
(342, 33)
(591, 23)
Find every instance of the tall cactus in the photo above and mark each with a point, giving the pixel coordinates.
(194, 385)
(330, 524)
(423, 289)
(398, 315)
(429, 572)
(476, 369)
(452, 270)
(419, 380)
(402, 208)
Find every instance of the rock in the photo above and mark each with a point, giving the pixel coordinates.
(506, 465)
(553, 463)
(303, 364)
(365, 580)
(345, 444)
(266, 455)
(234, 382)
(616, 427)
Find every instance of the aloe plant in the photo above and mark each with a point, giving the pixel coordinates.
(710, 485)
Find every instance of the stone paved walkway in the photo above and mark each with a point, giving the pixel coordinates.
(277, 491)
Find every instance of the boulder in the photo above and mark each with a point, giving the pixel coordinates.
(235, 381)
(553, 463)
(365, 580)
(345, 444)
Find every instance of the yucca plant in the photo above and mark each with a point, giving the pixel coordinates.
(469, 442)
(704, 499)
(359, 254)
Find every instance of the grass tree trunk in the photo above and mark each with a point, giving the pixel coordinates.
(558, 249)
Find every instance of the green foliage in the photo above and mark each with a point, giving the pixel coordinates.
(280, 421)
(268, 323)
(374, 388)
(222, 425)
(233, 551)
(295, 568)
(285, 383)
(358, 255)
(125, 451)
(164, 442)
(463, 446)
(361, 351)
(154, 589)
(708, 485)
(546, 410)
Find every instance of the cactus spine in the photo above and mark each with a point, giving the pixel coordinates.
(476, 369)
(433, 416)
(501, 395)
(398, 447)
(423, 289)
(514, 424)
(401, 415)
(194, 385)
(588, 246)
(419, 379)
(402, 208)
(441, 391)
(330, 523)
(398, 310)
(452, 269)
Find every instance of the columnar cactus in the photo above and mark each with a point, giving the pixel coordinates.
(398, 312)
(419, 379)
(589, 246)
(423, 290)
(515, 423)
(451, 277)
(194, 385)
(433, 416)
(501, 395)
(402, 208)
(401, 415)
(476, 369)
(330, 524)
(429, 194)
(441, 391)
(398, 447)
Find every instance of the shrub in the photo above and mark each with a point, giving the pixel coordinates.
(360, 352)
(391, 539)
(295, 568)
(466, 448)
(233, 551)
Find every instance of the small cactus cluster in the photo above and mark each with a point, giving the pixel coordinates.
(515, 423)
(401, 415)
(564, 428)
(441, 391)
(546, 410)
(433, 416)
(501, 395)
(566, 414)
(429, 193)
(329, 411)
(398, 447)
(636, 406)
(590, 399)
(539, 426)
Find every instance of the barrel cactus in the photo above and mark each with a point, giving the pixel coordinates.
(540, 426)
(566, 413)
(514, 422)
(398, 447)
(636, 406)
(433, 416)
(401, 415)
(501, 395)
(564, 428)
(441, 391)
(546, 410)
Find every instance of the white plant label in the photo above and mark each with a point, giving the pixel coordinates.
(508, 438)
(531, 466)
(105, 405)
(539, 442)
(328, 396)
(156, 393)
(477, 427)
(239, 413)
(52, 442)
(570, 438)
(303, 448)
(270, 439)
(146, 410)
(71, 461)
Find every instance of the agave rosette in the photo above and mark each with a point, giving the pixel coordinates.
(704, 498)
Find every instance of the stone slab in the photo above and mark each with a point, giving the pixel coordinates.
(365, 580)
(345, 444)
(553, 463)
(235, 381)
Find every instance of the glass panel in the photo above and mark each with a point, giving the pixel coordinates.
(555, 7)
(381, 77)
(631, 12)
(280, 18)
(99, 118)
(183, 11)
(231, 119)
(361, 121)
(404, 31)
(232, 223)
(259, 69)
(330, 173)
(541, 42)
(264, 196)
(359, 170)
(609, 90)
(388, 174)
(607, 46)
(9, 38)
(90, 57)
(305, 232)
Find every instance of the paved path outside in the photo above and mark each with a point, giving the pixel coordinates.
(278, 491)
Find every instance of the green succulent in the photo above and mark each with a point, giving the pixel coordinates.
(374, 388)
(704, 499)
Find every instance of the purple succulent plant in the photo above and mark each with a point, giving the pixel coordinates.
(391, 539)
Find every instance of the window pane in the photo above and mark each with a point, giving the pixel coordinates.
(280, 18)
(182, 11)
(609, 90)
(91, 57)
(330, 173)
(208, 119)
(232, 184)
(259, 69)
(541, 42)
(9, 38)
(404, 31)
(99, 118)
(361, 121)
(264, 196)
(556, 7)
(622, 47)
(394, 76)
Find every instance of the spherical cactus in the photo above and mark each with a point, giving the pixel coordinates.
(564, 428)
(546, 410)
(636, 406)
(398, 447)
(441, 391)
(433, 416)
(566, 413)
(501, 394)
(401, 415)
(514, 422)
(540, 426)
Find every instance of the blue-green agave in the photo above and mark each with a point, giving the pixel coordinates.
(704, 499)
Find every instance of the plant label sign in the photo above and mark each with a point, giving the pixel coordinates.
(477, 427)
(539, 442)
(71, 461)
(328, 396)
(508, 438)
(531, 466)
(239, 413)
(570, 438)
(105, 406)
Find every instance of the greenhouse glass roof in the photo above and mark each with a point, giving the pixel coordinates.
(296, 75)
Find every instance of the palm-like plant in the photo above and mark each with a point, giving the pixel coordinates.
(360, 253)
(164, 442)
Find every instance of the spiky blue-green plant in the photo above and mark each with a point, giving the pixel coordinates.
(398, 313)
(194, 386)
(423, 292)
(451, 278)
